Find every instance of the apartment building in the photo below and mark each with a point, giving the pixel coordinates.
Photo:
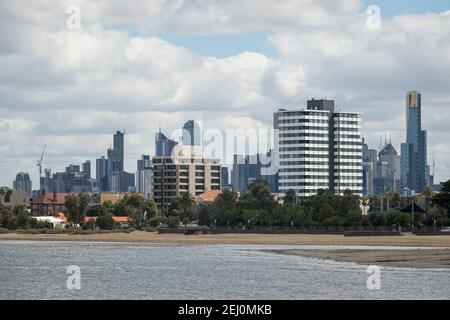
(187, 173)
(319, 148)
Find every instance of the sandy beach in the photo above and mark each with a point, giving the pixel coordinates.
(420, 258)
(276, 239)
(424, 258)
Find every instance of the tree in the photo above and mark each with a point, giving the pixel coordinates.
(97, 211)
(187, 207)
(442, 199)
(23, 216)
(290, 197)
(173, 222)
(76, 207)
(105, 222)
(428, 194)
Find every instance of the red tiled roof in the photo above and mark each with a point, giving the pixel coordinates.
(210, 196)
(61, 216)
(116, 219)
(50, 198)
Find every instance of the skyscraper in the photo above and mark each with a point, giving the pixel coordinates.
(86, 169)
(163, 145)
(23, 182)
(319, 148)
(116, 154)
(414, 151)
(144, 177)
(191, 133)
(110, 172)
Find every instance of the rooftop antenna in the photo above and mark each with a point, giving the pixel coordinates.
(390, 138)
(381, 138)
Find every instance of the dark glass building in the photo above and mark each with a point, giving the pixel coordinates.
(414, 151)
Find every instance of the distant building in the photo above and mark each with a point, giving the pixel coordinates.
(370, 160)
(187, 173)
(414, 150)
(245, 170)
(163, 145)
(23, 182)
(319, 148)
(224, 178)
(122, 181)
(71, 180)
(144, 177)
(111, 176)
(387, 176)
(104, 168)
(192, 133)
(251, 168)
(86, 172)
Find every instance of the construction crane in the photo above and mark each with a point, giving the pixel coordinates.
(39, 163)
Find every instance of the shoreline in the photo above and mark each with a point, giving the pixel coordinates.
(143, 237)
(420, 258)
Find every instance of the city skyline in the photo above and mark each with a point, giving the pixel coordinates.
(47, 95)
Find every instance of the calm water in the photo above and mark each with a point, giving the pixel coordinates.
(37, 270)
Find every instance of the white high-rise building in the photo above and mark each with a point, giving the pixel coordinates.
(319, 149)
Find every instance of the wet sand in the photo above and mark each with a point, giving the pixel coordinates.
(276, 239)
(419, 258)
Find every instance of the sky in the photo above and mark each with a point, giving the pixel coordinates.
(141, 65)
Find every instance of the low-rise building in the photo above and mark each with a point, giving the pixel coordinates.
(48, 204)
(14, 198)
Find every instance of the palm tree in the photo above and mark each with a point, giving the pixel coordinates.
(427, 193)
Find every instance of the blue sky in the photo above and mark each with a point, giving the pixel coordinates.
(225, 45)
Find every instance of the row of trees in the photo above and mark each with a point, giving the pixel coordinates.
(256, 207)
(19, 218)
(141, 213)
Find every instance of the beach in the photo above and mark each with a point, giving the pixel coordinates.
(435, 252)
(418, 258)
(236, 238)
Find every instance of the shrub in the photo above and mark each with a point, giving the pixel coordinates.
(105, 222)
(173, 222)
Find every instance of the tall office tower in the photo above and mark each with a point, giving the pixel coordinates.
(116, 154)
(369, 169)
(414, 151)
(192, 133)
(185, 174)
(144, 177)
(245, 170)
(122, 181)
(163, 145)
(104, 167)
(23, 182)
(46, 182)
(86, 169)
(388, 170)
(319, 149)
(224, 178)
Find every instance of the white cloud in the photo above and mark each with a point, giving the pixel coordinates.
(64, 87)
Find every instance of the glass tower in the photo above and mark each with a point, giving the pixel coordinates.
(414, 151)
